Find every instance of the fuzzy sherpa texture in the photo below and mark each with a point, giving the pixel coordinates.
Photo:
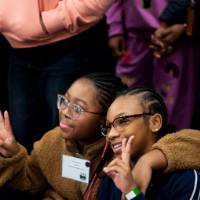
(42, 169)
(182, 149)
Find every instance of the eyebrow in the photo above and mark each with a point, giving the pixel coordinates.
(117, 116)
(76, 99)
(120, 115)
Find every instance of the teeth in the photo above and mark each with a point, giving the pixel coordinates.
(115, 146)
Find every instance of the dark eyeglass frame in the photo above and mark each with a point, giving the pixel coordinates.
(75, 107)
(105, 127)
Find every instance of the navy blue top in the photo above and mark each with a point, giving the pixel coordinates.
(179, 185)
(175, 12)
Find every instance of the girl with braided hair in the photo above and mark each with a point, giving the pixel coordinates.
(81, 111)
(135, 121)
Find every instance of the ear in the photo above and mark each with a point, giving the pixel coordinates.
(155, 122)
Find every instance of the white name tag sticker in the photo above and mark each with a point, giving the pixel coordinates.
(76, 168)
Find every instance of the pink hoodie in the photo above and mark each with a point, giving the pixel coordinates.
(30, 23)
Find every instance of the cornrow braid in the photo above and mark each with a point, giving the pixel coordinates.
(152, 101)
(107, 85)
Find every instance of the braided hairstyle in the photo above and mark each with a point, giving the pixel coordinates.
(107, 85)
(154, 103)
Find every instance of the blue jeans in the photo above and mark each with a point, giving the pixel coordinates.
(32, 95)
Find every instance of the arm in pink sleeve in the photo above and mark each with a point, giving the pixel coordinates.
(73, 15)
(114, 18)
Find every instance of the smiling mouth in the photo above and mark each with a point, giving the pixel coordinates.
(64, 126)
(117, 148)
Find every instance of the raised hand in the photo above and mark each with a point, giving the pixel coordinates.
(8, 145)
(142, 171)
(120, 169)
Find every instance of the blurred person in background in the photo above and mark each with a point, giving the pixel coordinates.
(131, 26)
(4, 62)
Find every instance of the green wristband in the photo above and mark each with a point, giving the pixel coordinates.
(133, 193)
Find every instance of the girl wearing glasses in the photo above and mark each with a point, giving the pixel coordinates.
(135, 121)
(81, 111)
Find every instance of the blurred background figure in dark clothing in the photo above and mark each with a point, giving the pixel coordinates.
(4, 62)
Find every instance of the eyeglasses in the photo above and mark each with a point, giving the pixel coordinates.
(76, 109)
(120, 123)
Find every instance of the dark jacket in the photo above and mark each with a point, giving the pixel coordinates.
(180, 185)
(176, 12)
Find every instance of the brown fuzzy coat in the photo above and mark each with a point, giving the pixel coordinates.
(182, 149)
(42, 169)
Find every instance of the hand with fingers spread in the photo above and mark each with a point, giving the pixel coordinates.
(120, 169)
(8, 145)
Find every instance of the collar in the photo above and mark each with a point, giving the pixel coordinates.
(89, 151)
